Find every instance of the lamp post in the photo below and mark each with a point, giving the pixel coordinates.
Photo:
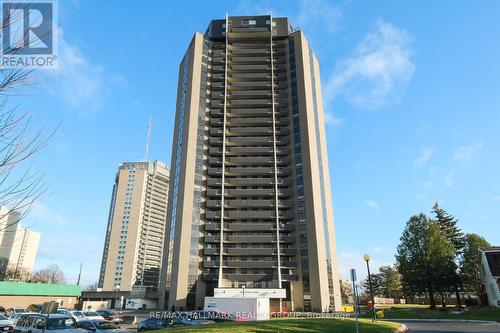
(367, 258)
(243, 287)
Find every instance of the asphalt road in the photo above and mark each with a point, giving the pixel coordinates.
(436, 327)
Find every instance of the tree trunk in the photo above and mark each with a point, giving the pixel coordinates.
(443, 303)
(431, 298)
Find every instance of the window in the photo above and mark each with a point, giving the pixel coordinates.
(28, 322)
(248, 22)
(39, 322)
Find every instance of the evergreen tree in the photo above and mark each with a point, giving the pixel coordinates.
(377, 285)
(454, 235)
(448, 226)
(469, 264)
(391, 282)
(422, 257)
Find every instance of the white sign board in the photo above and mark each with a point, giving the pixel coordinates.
(249, 292)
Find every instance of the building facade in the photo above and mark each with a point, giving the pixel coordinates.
(18, 245)
(489, 271)
(133, 246)
(250, 197)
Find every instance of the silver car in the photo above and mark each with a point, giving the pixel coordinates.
(100, 326)
(54, 323)
(5, 323)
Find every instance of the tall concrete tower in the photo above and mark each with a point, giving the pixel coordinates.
(136, 225)
(250, 196)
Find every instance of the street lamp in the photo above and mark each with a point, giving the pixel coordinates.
(367, 258)
(243, 287)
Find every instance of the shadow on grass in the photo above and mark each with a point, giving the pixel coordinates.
(482, 313)
(293, 325)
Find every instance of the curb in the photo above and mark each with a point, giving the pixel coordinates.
(401, 329)
(442, 320)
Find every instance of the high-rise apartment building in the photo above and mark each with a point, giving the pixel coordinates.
(133, 246)
(18, 245)
(250, 197)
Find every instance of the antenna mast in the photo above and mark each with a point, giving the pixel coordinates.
(79, 274)
(150, 124)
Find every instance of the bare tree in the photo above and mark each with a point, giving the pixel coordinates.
(12, 273)
(51, 274)
(20, 183)
(92, 287)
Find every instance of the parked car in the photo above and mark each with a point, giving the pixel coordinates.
(155, 324)
(64, 312)
(100, 326)
(38, 323)
(15, 317)
(212, 315)
(88, 315)
(115, 317)
(2, 310)
(5, 323)
(189, 320)
(13, 311)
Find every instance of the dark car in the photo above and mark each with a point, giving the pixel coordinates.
(100, 326)
(111, 315)
(156, 324)
(212, 315)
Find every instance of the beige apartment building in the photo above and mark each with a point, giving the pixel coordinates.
(132, 253)
(250, 197)
(18, 245)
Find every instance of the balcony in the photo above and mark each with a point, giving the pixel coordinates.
(234, 227)
(243, 192)
(256, 151)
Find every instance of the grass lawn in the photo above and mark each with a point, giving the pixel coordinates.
(292, 325)
(423, 312)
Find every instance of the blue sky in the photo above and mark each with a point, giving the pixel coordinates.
(411, 93)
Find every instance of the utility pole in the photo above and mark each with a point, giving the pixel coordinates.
(355, 297)
(367, 258)
(148, 136)
(79, 274)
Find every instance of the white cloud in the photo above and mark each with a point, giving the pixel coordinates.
(79, 82)
(466, 153)
(379, 68)
(330, 119)
(496, 197)
(425, 155)
(318, 16)
(42, 213)
(371, 204)
(449, 178)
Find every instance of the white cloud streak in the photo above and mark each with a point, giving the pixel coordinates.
(318, 16)
(40, 212)
(377, 71)
(424, 157)
(371, 204)
(466, 153)
(79, 82)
